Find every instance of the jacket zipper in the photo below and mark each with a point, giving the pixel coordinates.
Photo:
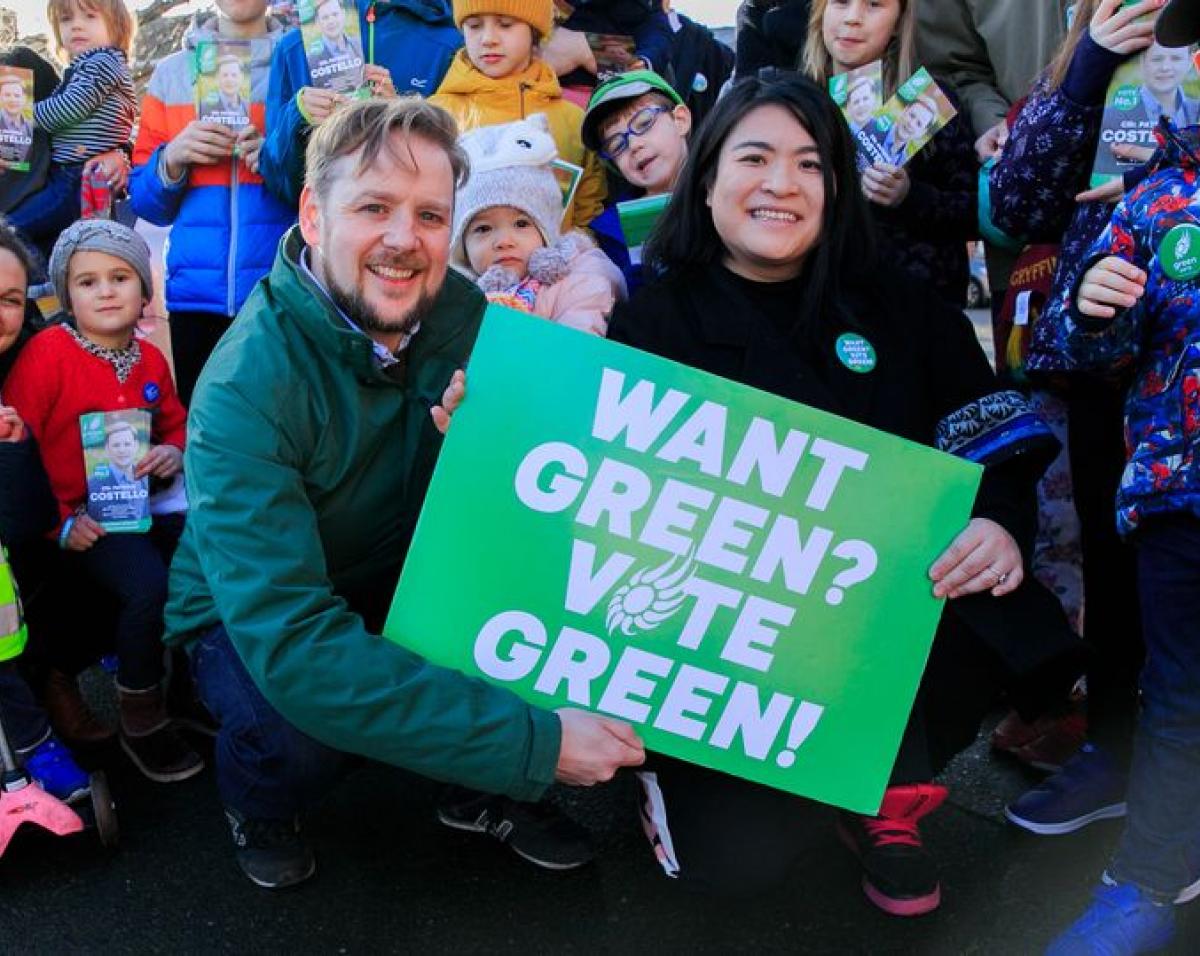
(521, 88)
(231, 283)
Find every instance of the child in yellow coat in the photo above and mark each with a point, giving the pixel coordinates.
(498, 77)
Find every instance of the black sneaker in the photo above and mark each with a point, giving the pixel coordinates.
(899, 875)
(536, 832)
(271, 853)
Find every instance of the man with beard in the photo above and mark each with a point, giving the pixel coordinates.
(311, 446)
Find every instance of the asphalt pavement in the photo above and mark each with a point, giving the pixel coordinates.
(391, 879)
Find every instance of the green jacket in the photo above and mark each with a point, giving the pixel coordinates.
(306, 467)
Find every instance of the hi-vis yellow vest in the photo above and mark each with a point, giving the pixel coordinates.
(12, 624)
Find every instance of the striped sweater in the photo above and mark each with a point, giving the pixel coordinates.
(92, 110)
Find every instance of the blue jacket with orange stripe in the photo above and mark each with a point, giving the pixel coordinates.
(227, 224)
(414, 39)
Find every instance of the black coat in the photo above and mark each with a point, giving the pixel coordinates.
(771, 33)
(930, 373)
(27, 506)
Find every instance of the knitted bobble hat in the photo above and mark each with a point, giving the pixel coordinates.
(99, 235)
(539, 14)
(510, 166)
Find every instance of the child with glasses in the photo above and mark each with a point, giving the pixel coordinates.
(640, 127)
(506, 232)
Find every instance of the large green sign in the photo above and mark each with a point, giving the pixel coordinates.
(742, 578)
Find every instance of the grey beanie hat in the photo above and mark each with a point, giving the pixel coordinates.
(510, 166)
(99, 235)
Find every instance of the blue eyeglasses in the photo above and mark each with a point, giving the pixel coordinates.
(639, 125)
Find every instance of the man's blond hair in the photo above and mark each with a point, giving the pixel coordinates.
(365, 128)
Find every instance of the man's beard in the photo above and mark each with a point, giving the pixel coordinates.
(366, 318)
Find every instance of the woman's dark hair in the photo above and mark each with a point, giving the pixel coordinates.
(11, 241)
(686, 238)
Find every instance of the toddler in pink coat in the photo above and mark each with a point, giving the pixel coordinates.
(507, 236)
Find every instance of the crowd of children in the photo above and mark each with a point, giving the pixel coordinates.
(561, 143)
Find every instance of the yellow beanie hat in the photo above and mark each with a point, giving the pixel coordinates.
(539, 14)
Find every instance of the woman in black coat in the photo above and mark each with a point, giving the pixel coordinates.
(767, 269)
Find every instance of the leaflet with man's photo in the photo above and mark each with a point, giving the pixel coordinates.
(1160, 81)
(16, 117)
(332, 44)
(905, 123)
(859, 94)
(113, 444)
(222, 74)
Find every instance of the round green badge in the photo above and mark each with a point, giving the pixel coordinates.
(855, 352)
(1179, 252)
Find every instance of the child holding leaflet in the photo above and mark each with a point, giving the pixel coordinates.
(88, 116)
(926, 209)
(101, 274)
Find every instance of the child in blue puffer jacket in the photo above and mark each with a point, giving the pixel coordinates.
(408, 45)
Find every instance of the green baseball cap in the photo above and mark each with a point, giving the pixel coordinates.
(623, 86)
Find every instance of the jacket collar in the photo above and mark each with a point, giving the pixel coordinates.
(310, 310)
(537, 79)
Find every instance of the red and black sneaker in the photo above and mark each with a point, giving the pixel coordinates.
(899, 875)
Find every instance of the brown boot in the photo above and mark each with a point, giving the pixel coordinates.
(69, 713)
(147, 738)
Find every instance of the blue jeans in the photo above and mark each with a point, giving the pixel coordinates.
(266, 768)
(1160, 849)
(133, 569)
(42, 216)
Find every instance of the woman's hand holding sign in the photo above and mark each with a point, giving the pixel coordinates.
(984, 557)
(594, 748)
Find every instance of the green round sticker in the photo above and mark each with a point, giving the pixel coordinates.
(1127, 98)
(1179, 252)
(855, 352)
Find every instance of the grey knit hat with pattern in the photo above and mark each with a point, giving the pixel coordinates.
(510, 166)
(99, 235)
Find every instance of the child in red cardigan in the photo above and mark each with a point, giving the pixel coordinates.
(101, 273)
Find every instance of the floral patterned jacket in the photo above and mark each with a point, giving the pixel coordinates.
(1156, 227)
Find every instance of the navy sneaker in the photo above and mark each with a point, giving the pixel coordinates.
(271, 853)
(1122, 921)
(536, 832)
(1088, 788)
(51, 765)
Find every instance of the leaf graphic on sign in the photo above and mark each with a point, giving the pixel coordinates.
(651, 596)
(1183, 245)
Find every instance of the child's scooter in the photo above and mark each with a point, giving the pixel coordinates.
(23, 801)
